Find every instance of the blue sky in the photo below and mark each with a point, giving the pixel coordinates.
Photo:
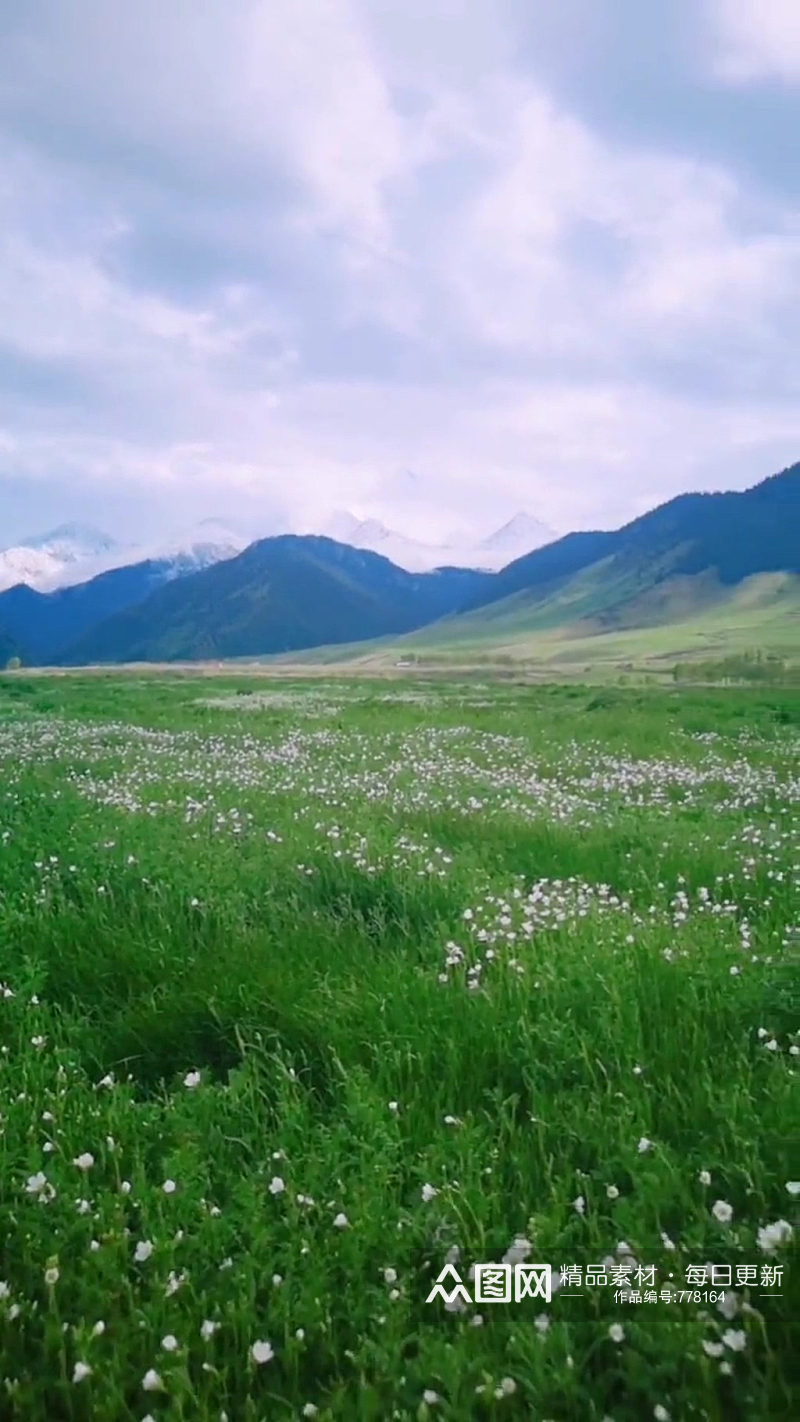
(433, 261)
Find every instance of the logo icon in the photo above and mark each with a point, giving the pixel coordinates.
(458, 1295)
(493, 1284)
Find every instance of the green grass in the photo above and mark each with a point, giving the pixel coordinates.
(263, 885)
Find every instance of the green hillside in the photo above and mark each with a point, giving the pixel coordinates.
(728, 537)
(706, 576)
(685, 620)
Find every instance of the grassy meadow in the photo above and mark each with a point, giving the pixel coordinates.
(308, 989)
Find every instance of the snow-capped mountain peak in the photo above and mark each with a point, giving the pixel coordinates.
(521, 534)
(74, 553)
(342, 525)
(209, 541)
(24, 564)
(44, 559)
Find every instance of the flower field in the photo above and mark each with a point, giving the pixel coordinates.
(311, 992)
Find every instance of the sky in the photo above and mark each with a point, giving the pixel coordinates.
(432, 261)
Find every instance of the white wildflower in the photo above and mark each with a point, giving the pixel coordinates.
(518, 1251)
(774, 1236)
(735, 1339)
(262, 1352)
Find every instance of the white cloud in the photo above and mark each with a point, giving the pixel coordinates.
(601, 251)
(232, 89)
(409, 254)
(756, 40)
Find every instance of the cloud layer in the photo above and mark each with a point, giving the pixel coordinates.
(278, 256)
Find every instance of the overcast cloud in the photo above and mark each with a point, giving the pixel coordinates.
(432, 261)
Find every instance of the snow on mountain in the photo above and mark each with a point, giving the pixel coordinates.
(39, 561)
(73, 554)
(24, 564)
(198, 547)
(371, 534)
(341, 526)
(520, 535)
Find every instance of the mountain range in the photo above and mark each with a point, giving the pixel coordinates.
(73, 553)
(281, 594)
(292, 592)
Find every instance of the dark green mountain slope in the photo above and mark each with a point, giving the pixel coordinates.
(7, 648)
(732, 535)
(547, 568)
(281, 594)
(42, 623)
